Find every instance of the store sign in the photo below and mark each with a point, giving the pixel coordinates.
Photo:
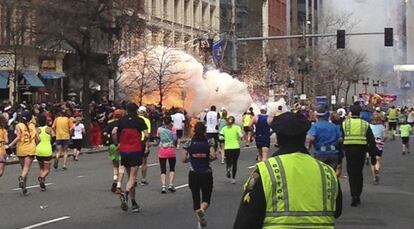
(6, 62)
(48, 64)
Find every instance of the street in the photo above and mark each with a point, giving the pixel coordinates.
(80, 197)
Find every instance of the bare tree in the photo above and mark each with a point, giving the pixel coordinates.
(165, 71)
(88, 27)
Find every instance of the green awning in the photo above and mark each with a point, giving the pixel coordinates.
(33, 79)
(4, 79)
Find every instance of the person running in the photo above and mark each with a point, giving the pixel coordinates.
(199, 151)
(62, 127)
(231, 134)
(25, 142)
(77, 138)
(129, 131)
(410, 117)
(392, 121)
(247, 120)
(212, 119)
(222, 123)
(117, 169)
(167, 136)
(3, 143)
(142, 113)
(324, 136)
(179, 122)
(405, 131)
(379, 131)
(44, 150)
(262, 135)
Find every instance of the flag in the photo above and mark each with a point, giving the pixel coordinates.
(218, 51)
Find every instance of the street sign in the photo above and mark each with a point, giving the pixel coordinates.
(333, 99)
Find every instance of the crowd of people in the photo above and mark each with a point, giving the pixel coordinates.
(46, 132)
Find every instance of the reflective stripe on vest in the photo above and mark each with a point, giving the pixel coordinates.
(355, 130)
(286, 181)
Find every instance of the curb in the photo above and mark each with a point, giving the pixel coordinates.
(101, 150)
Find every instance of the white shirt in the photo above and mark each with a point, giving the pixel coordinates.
(178, 121)
(78, 130)
(410, 117)
(212, 122)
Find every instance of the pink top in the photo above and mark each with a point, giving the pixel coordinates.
(167, 137)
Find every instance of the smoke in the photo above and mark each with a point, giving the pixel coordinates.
(199, 90)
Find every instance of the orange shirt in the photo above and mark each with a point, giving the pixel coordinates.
(62, 126)
(26, 146)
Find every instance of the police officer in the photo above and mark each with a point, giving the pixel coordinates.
(358, 139)
(324, 136)
(291, 189)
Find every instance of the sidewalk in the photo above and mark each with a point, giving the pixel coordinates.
(15, 160)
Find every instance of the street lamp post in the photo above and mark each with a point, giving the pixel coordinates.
(303, 69)
(365, 82)
(376, 84)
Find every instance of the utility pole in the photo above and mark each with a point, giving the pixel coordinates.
(233, 36)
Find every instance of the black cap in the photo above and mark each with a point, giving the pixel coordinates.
(355, 110)
(291, 124)
(132, 108)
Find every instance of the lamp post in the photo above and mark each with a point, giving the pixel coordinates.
(303, 63)
(376, 84)
(365, 82)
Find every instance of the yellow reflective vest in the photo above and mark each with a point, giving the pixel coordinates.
(148, 124)
(300, 192)
(355, 130)
(392, 114)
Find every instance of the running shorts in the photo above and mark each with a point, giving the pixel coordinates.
(392, 125)
(131, 159)
(405, 140)
(43, 159)
(113, 153)
(179, 134)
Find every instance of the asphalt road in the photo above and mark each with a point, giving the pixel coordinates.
(80, 197)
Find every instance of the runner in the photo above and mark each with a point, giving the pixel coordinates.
(129, 130)
(178, 120)
(44, 150)
(405, 131)
(222, 123)
(62, 127)
(247, 120)
(392, 121)
(25, 146)
(167, 152)
(3, 143)
(410, 117)
(77, 138)
(117, 169)
(142, 113)
(262, 135)
(231, 134)
(199, 152)
(212, 122)
(379, 131)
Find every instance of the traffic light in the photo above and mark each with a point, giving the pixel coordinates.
(340, 39)
(389, 37)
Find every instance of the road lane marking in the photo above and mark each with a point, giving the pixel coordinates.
(80, 176)
(252, 167)
(46, 222)
(30, 187)
(181, 186)
(154, 164)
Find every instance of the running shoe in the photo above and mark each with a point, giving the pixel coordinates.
(42, 183)
(113, 187)
(222, 162)
(22, 185)
(124, 201)
(376, 180)
(171, 188)
(200, 217)
(118, 190)
(228, 174)
(135, 207)
(64, 167)
(403, 153)
(135, 184)
(56, 164)
(164, 190)
(144, 183)
(233, 181)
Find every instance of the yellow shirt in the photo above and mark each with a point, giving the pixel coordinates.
(247, 118)
(62, 126)
(26, 146)
(148, 123)
(3, 136)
